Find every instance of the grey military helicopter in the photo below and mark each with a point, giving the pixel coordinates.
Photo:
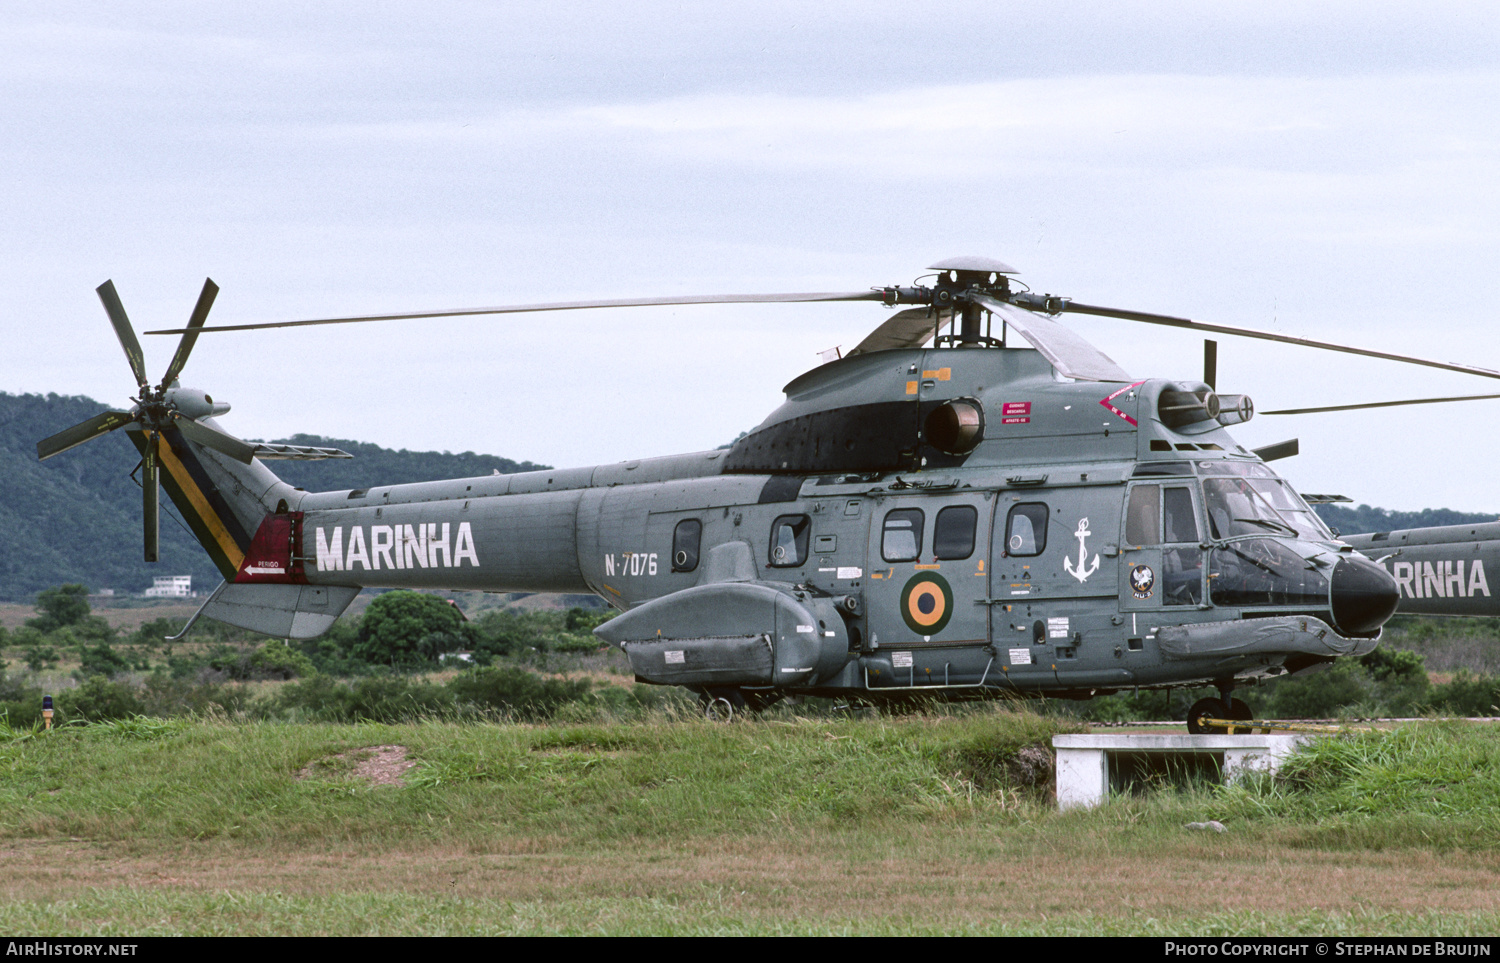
(973, 503)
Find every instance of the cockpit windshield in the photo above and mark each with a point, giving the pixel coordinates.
(1246, 498)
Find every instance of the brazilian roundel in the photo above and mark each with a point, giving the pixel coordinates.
(927, 603)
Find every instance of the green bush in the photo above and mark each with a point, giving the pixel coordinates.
(61, 606)
(332, 653)
(162, 695)
(66, 609)
(98, 698)
(277, 660)
(20, 702)
(516, 690)
(1400, 677)
(41, 657)
(409, 628)
(100, 659)
(370, 699)
(581, 621)
(1468, 695)
(273, 660)
(1316, 693)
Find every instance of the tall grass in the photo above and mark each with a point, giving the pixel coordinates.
(928, 823)
(195, 780)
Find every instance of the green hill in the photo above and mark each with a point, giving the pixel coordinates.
(1367, 519)
(77, 517)
(373, 465)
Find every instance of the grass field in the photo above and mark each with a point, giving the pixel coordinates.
(920, 824)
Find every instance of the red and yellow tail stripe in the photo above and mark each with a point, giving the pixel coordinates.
(198, 499)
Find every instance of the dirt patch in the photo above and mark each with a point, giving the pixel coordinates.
(1031, 766)
(376, 765)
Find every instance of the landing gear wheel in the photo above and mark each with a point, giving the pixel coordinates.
(721, 705)
(1213, 708)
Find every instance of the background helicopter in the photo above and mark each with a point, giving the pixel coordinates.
(1441, 570)
(963, 521)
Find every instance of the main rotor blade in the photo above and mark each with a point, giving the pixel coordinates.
(123, 330)
(215, 439)
(190, 334)
(1282, 449)
(150, 495)
(911, 328)
(1378, 404)
(555, 306)
(1072, 356)
(1169, 321)
(100, 424)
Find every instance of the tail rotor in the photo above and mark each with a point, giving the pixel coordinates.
(166, 406)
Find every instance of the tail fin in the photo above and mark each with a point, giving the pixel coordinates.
(224, 502)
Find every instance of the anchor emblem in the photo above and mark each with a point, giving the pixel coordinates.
(1083, 571)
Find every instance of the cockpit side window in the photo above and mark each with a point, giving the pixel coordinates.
(1180, 522)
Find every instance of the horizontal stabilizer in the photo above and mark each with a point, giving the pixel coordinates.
(283, 611)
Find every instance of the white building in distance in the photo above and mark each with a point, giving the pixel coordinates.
(171, 587)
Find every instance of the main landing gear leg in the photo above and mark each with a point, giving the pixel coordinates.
(721, 705)
(1223, 707)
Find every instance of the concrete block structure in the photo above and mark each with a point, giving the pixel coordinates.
(1085, 763)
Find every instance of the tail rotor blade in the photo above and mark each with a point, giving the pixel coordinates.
(123, 331)
(215, 439)
(190, 335)
(100, 424)
(150, 495)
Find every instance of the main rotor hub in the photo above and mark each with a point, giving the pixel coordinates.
(960, 275)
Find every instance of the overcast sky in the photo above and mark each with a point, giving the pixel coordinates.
(1326, 170)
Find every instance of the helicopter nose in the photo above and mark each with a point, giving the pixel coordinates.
(1363, 596)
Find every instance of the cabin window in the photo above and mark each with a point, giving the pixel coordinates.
(1026, 529)
(901, 539)
(953, 533)
(1143, 516)
(789, 540)
(686, 538)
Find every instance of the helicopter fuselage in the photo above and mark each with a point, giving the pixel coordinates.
(967, 523)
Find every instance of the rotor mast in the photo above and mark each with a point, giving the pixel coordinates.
(961, 281)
